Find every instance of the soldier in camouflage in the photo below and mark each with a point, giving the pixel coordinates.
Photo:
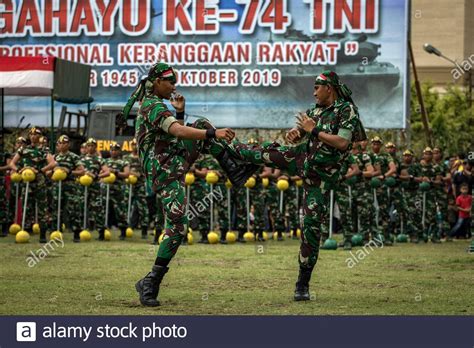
(363, 192)
(117, 197)
(139, 202)
(167, 149)
(34, 157)
(71, 197)
(96, 168)
(350, 172)
(429, 175)
(441, 193)
(323, 136)
(4, 206)
(409, 176)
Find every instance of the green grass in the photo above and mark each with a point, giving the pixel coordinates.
(98, 278)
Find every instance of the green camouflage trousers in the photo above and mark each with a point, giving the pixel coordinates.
(173, 194)
(95, 206)
(71, 208)
(347, 209)
(316, 194)
(293, 203)
(118, 205)
(239, 200)
(37, 199)
(364, 200)
(430, 213)
(277, 217)
(201, 220)
(4, 207)
(222, 208)
(139, 204)
(413, 213)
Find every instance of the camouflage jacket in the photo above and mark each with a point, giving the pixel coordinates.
(32, 156)
(135, 165)
(116, 165)
(412, 169)
(68, 160)
(162, 154)
(324, 161)
(427, 170)
(93, 164)
(382, 159)
(363, 160)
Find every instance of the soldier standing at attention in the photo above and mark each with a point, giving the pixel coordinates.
(118, 200)
(70, 195)
(34, 157)
(139, 189)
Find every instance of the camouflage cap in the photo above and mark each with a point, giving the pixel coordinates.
(21, 140)
(115, 146)
(389, 145)
(83, 145)
(134, 141)
(376, 139)
(427, 149)
(35, 130)
(408, 152)
(63, 139)
(91, 141)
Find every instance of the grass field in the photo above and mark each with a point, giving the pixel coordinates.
(96, 278)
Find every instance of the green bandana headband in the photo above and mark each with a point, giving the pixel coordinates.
(328, 77)
(159, 70)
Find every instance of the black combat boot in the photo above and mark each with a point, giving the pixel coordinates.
(101, 235)
(77, 237)
(144, 233)
(149, 287)
(222, 239)
(4, 232)
(123, 232)
(302, 285)
(43, 236)
(204, 239)
(240, 238)
(237, 170)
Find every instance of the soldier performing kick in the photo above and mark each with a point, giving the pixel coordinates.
(323, 136)
(167, 149)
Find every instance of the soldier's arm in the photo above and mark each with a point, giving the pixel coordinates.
(104, 172)
(353, 171)
(14, 161)
(125, 173)
(377, 169)
(79, 170)
(266, 172)
(392, 169)
(369, 171)
(276, 174)
(51, 163)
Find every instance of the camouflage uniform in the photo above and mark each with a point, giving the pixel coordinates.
(117, 199)
(139, 202)
(292, 207)
(382, 159)
(364, 199)
(413, 210)
(346, 202)
(319, 165)
(277, 217)
(35, 157)
(166, 159)
(5, 209)
(428, 170)
(95, 193)
(441, 197)
(199, 190)
(71, 197)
